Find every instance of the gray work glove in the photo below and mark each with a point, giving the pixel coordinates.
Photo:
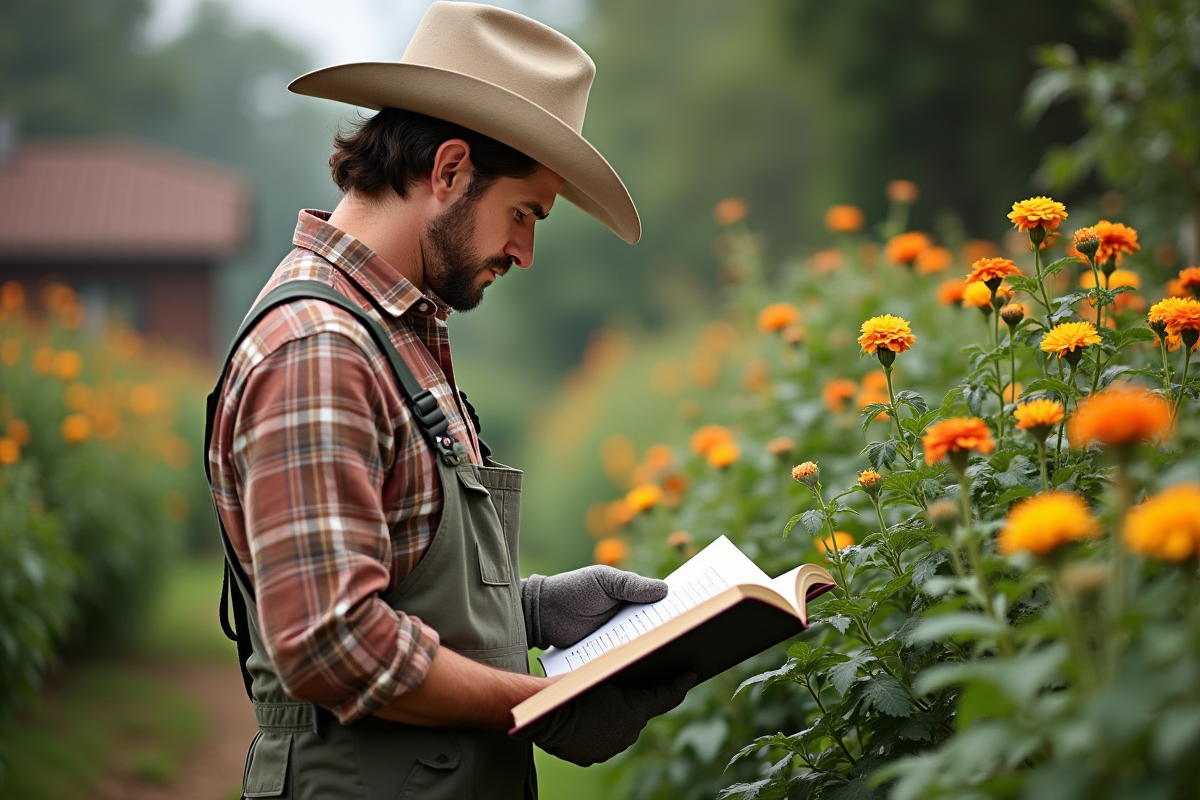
(596, 726)
(562, 609)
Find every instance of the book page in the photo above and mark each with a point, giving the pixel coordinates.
(708, 573)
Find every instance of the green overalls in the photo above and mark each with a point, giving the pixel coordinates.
(466, 587)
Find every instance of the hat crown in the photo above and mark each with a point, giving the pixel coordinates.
(509, 50)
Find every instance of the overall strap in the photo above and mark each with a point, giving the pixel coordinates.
(428, 417)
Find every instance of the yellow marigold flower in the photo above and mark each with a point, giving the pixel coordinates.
(1166, 526)
(1069, 339)
(777, 316)
(977, 295)
(901, 191)
(610, 552)
(992, 269)
(886, 332)
(1119, 415)
(1037, 212)
(1038, 416)
(951, 292)
(1119, 277)
(956, 436)
(904, 248)
(839, 541)
(843, 219)
(722, 454)
(781, 445)
(1115, 239)
(934, 259)
(730, 211)
(708, 437)
(76, 428)
(836, 393)
(1189, 280)
(1046, 522)
(10, 451)
(643, 498)
(1163, 310)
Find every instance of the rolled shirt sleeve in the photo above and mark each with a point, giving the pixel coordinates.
(312, 447)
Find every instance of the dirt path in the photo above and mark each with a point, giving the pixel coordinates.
(214, 769)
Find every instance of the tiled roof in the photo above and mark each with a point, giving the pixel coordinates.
(118, 198)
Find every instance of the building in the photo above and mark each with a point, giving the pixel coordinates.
(136, 229)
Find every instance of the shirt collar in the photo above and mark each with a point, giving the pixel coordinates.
(394, 293)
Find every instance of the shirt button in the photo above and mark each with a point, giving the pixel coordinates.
(442, 759)
(422, 307)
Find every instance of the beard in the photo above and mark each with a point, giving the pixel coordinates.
(452, 270)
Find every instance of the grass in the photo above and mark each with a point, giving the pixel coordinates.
(103, 715)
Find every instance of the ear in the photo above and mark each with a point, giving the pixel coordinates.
(451, 171)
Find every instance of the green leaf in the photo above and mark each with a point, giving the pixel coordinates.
(881, 454)
(913, 400)
(1013, 493)
(1127, 336)
(960, 623)
(762, 677)
(1054, 385)
(870, 412)
(843, 675)
(888, 695)
(1053, 268)
(915, 729)
(814, 521)
(857, 789)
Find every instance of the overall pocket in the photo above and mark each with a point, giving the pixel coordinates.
(267, 765)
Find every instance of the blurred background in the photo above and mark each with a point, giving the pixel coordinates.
(152, 165)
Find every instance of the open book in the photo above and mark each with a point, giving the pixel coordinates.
(720, 610)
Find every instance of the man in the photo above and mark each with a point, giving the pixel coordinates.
(371, 543)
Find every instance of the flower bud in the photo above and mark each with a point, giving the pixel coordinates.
(1012, 314)
(1108, 266)
(807, 473)
(944, 514)
(1087, 242)
(1159, 326)
(870, 482)
(886, 357)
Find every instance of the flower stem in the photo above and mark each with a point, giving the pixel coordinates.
(973, 555)
(837, 553)
(1124, 497)
(1071, 627)
(1037, 265)
(1062, 425)
(1162, 348)
(1187, 360)
(891, 554)
(999, 378)
(887, 373)
(1041, 446)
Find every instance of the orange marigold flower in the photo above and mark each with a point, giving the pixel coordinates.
(1189, 280)
(989, 269)
(1178, 314)
(843, 219)
(730, 211)
(886, 332)
(1166, 526)
(1070, 339)
(19, 431)
(839, 541)
(708, 437)
(901, 191)
(781, 445)
(1038, 416)
(76, 428)
(722, 454)
(67, 365)
(12, 296)
(875, 380)
(836, 393)
(679, 539)
(904, 248)
(777, 316)
(824, 261)
(951, 292)
(10, 451)
(1119, 277)
(1037, 212)
(1120, 415)
(610, 552)
(807, 473)
(643, 498)
(660, 456)
(934, 259)
(1045, 523)
(956, 436)
(1115, 240)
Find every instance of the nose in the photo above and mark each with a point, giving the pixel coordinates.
(520, 249)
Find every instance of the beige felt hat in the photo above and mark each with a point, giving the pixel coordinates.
(505, 76)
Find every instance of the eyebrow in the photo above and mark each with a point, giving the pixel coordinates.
(536, 209)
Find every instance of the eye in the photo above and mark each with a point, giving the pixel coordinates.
(521, 215)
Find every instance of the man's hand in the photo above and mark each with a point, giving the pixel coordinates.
(562, 609)
(598, 725)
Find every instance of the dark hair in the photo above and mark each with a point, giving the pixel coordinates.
(396, 148)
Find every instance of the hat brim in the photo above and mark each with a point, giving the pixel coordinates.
(589, 181)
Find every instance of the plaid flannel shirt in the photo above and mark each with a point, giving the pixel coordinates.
(329, 493)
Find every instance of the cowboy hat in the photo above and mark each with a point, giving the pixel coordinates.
(503, 75)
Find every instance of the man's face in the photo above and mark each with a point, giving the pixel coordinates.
(477, 239)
